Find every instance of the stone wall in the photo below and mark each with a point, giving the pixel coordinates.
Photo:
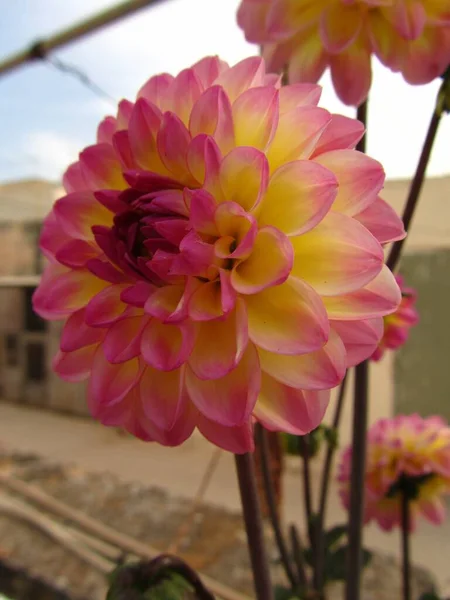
(27, 345)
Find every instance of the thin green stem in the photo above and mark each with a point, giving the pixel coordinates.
(254, 526)
(419, 176)
(406, 563)
(324, 486)
(261, 439)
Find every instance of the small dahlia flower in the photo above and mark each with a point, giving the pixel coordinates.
(218, 258)
(307, 36)
(398, 324)
(405, 455)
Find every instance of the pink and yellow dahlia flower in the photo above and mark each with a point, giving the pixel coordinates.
(218, 258)
(406, 454)
(398, 324)
(307, 36)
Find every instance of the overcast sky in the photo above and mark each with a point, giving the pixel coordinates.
(47, 116)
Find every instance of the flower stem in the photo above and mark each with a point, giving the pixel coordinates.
(298, 553)
(419, 176)
(406, 565)
(361, 115)
(254, 526)
(261, 439)
(304, 447)
(324, 486)
(357, 489)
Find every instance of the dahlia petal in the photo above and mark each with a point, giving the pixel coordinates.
(308, 122)
(378, 298)
(309, 59)
(341, 133)
(123, 340)
(360, 338)
(360, 179)
(156, 90)
(244, 75)
(147, 181)
(269, 263)
(427, 57)
(208, 69)
(106, 307)
(143, 128)
(106, 130)
(244, 176)
(228, 400)
(123, 150)
(213, 362)
(185, 90)
(203, 208)
(74, 180)
(76, 334)
(138, 294)
(237, 440)
(251, 17)
(76, 253)
(105, 270)
(299, 195)
(318, 370)
(212, 115)
(382, 221)
(351, 73)
(165, 301)
(78, 212)
(169, 201)
(289, 318)
(255, 117)
(124, 111)
(204, 158)
(111, 200)
(337, 256)
(165, 346)
(407, 17)
(62, 293)
(205, 303)
(163, 396)
(52, 237)
(433, 510)
(283, 408)
(299, 94)
(339, 26)
(173, 141)
(286, 17)
(100, 168)
(110, 383)
(195, 256)
(74, 366)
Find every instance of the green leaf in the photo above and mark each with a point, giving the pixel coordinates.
(430, 596)
(334, 535)
(284, 593)
(336, 563)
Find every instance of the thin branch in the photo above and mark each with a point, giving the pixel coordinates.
(186, 525)
(254, 526)
(40, 48)
(419, 176)
(261, 438)
(123, 541)
(297, 551)
(324, 486)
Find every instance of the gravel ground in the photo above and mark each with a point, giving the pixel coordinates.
(215, 545)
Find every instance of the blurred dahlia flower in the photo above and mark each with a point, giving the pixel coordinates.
(398, 324)
(409, 36)
(218, 258)
(406, 454)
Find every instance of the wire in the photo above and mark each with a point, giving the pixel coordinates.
(81, 76)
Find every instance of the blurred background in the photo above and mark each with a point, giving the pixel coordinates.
(47, 116)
